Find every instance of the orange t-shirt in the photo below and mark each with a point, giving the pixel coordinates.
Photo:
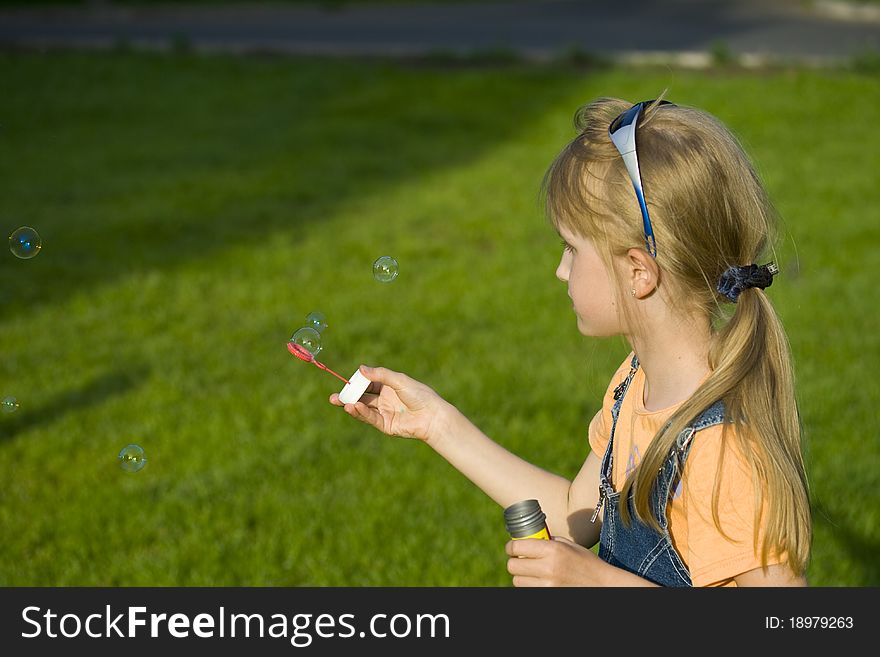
(712, 559)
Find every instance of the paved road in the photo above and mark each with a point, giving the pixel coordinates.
(786, 29)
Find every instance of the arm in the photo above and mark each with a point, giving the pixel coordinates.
(507, 478)
(397, 405)
(560, 562)
(775, 575)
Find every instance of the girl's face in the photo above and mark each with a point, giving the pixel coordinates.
(590, 287)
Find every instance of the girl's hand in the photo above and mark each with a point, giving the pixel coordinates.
(396, 404)
(558, 562)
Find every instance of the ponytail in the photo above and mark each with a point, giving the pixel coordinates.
(752, 373)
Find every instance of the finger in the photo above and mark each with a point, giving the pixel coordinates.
(521, 581)
(526, 547)
(366, 414)
(523, 567)
(370, 400)
(383, 375)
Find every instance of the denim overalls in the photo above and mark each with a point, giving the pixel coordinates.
(638, 548)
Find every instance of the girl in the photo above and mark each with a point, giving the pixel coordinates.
(695, 475)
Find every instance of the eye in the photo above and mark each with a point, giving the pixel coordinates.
(568, 248)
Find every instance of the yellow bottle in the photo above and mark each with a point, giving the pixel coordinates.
(526, 520)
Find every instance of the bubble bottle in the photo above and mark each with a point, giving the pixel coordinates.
(526, 520)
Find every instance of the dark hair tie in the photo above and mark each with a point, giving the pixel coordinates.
(736, 279)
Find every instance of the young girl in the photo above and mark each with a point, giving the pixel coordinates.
(664, 224)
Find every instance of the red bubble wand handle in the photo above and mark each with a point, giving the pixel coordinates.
(304, 354)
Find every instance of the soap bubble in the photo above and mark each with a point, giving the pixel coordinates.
(316, 320)
(132, 458)
(9, 404)
(309, 338)
(25, 243)
(385, 269)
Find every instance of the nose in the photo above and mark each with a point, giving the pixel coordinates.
(562, 270)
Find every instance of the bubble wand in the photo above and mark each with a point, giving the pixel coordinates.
(304, 354)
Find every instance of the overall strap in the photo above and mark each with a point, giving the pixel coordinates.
(619, 394)
(608, 458)
(710, 417)
(674, 465)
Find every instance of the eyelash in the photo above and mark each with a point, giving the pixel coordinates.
(568, 247)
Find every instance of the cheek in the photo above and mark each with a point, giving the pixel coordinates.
(579, 287)
(589, 289)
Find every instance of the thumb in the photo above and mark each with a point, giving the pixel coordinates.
(390, 378)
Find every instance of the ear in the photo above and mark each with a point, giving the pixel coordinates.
(644, 274)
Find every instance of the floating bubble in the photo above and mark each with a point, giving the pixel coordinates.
(132, 458)
(25, 242)
(9, 404)
(308, 338)
(385, 269)
(316, 320)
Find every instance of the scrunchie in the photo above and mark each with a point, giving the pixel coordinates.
(736, 279)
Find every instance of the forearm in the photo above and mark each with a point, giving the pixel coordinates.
(502, 475)
(613, 576)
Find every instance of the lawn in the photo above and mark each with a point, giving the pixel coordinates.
(195, 209)
(331, 4)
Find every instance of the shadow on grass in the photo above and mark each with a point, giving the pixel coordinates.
(126, 163)
(93, 393)
(859, 549)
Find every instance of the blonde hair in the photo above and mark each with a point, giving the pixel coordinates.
(709, 211)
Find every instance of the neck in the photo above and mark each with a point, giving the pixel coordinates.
(674, 356)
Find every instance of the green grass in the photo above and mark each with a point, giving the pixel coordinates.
(194, 210)
(320, 3)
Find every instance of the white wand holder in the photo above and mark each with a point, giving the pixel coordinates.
(356, 386)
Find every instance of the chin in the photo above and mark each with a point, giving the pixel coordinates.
(589, 331)
(584, 328)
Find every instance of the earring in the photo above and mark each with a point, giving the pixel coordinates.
(633, 291)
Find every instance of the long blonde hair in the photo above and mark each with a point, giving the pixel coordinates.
(709, 211)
